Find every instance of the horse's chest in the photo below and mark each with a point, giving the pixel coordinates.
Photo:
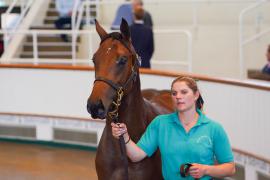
(110, 165)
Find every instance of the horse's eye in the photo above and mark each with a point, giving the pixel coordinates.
(122, 60)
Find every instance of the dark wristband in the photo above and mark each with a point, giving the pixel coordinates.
(128, 140)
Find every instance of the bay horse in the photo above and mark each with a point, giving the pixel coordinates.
(117, 67)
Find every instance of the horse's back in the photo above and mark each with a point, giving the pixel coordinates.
(160, 99)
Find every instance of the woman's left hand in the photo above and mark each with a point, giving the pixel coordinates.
(197, 170)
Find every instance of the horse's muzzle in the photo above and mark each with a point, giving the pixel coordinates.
(96, 110)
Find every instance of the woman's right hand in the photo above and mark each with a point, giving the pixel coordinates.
(119, 129)
(134, 152)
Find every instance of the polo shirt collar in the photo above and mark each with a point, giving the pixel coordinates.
(202, 118)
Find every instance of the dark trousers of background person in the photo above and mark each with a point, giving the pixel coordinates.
(62, 23)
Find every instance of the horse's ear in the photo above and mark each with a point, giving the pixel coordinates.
(124, 28)
(101, 32)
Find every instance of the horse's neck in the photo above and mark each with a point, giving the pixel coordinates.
(132, 111)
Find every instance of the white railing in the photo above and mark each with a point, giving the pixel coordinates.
(90, 33)
(35, 34)
(242, 41)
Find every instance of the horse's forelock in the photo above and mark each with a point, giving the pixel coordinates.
(114, 35)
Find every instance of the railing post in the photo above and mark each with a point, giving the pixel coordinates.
(35, 47)
(88, 13)
(74, 41)
(90, 52)
(6, 39)
(74, 13)
(97, 2)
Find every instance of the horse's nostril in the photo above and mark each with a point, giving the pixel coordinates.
(101, 112)
(96, 110)
(88, 108)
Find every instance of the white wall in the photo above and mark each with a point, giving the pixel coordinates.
(46, 92)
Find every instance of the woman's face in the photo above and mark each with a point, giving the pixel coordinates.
(183, 97)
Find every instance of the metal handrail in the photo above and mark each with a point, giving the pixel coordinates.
(24, 10)
(23, 13)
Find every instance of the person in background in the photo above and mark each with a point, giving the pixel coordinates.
(266, 68)
(126, 11)
(185, 136)
(147, 19)
(142, 38)
(64, 9)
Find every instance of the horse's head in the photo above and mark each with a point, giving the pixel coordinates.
(116, 68)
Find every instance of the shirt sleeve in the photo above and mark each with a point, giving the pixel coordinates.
(149, 141)
(222, 147)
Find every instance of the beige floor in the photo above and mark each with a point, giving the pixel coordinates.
(38, 162)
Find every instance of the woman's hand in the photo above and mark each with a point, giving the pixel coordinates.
(197, 170)
(216, 171)
(119, 129)
(133, 151)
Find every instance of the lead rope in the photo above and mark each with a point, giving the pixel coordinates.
(114, 117)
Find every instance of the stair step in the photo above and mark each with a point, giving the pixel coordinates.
(48, 38)
(51, 18)
(49, 55)
(49, 21)
(45, 26)
(29, 48)
(52, 4)
(52, 13)
(92, 8)
(50, 44)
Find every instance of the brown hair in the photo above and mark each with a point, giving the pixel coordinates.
(191, 83)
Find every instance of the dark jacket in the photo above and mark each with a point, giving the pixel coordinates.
(266, 69)
(147, 19)
(143, 42)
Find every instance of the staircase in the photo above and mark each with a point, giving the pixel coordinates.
(50, 46)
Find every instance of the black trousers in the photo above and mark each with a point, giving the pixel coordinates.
(63, 23)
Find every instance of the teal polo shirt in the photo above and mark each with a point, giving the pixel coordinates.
(205, 143)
